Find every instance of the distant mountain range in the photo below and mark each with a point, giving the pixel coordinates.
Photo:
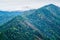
(5, 16)
(37, 24)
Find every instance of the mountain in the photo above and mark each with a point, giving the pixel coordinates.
(5, 16)
(18, 29)
(38, 24)
(47, 20)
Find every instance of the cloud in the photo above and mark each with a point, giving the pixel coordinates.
(25, 4)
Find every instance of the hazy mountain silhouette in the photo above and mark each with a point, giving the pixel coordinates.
(5, 16)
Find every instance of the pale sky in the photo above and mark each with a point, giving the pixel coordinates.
(11, 5)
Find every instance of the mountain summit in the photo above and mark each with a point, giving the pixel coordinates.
(39, 24)
(50, 5)
(47, 20)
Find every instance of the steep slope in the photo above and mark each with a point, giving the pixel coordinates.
(47, 20)
(19, 29)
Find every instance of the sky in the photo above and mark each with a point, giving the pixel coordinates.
(12, 5)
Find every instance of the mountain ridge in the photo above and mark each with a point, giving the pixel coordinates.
(39, 24)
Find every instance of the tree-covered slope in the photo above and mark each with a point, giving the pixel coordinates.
(47, 20)
(39, 24)
(19, 29)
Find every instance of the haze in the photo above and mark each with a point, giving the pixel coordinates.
(11, 5)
